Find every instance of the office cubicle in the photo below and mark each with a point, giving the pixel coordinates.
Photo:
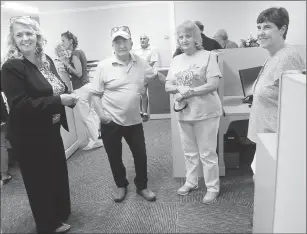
(159, 100)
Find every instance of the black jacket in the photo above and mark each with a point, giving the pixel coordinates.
(30, 99)
(208, 44)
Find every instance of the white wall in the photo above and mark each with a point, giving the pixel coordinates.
(93, 28)
(238, 18)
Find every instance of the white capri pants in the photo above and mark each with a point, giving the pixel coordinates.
(199, 141)
(85, 108)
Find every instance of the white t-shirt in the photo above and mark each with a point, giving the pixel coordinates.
(193, 71)
(264, 111)
(120, 86)
(149, 54)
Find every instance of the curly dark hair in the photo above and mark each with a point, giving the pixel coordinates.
(72, 37)
(277, 16)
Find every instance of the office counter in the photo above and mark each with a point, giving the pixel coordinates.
(234, 110)
(280, 183)
(70, 139)
(158, 99)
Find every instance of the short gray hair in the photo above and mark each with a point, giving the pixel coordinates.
(190, 26)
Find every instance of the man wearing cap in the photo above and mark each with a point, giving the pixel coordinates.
(116, 88)
(151, 56)
(221, 37)
(208, 43)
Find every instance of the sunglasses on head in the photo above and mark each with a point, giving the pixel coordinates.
(123, 28)
(13, 19)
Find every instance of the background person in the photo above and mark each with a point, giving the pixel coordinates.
(77, 68)
(272, 24)
(5, 175)
(36, 98)
(221, 37)
(151, 56)
(194, 77)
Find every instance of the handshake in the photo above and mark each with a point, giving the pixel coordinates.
(69, 99)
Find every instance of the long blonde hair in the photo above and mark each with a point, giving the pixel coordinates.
(190, 26)
(13, 51)
(60, 47)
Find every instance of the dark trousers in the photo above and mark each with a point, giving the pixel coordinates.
(42, 162)
(112, 135)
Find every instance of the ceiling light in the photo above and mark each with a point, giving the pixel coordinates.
(20, 7)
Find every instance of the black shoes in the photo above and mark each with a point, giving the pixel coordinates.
(147, 194)
(120, 194)
(6, 178)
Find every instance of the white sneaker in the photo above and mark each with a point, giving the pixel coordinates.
(93, 145)
(210, 197)
(185, 189)
(63, 228)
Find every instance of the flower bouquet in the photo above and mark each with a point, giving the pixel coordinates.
(249, 42)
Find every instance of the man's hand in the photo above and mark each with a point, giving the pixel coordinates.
(69, 99)
(105, 119)
(145, 117)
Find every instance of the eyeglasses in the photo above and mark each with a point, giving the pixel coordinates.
(122, 28)
(13, 19)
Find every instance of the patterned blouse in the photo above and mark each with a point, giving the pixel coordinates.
(57, 86)
(264, 110)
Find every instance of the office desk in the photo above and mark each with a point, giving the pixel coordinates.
(234, 109)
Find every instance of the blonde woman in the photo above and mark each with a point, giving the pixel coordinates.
(63, 56)
(36, 97)
(194, 77)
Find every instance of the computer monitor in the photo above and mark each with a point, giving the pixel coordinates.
(248, 77)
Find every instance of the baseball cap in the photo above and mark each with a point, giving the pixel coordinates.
(122, 31)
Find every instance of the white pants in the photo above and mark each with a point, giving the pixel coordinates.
(253, 166)
(85, 109)
(199, 141)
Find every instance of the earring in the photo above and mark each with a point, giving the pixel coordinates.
(38, 50)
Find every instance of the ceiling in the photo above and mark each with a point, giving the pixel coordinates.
(48, 6)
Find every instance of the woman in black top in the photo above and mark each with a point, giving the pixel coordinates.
(36, 98)
(77, 67)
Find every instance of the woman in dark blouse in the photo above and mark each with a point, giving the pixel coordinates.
(36, 98)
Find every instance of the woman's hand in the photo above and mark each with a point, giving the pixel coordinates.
(178, 97)
(69, 99)
(66, 63)
(184, 91)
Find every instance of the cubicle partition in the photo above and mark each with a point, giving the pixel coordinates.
(70, 139)
(233, 60)
(159, 100)
(280, 183)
